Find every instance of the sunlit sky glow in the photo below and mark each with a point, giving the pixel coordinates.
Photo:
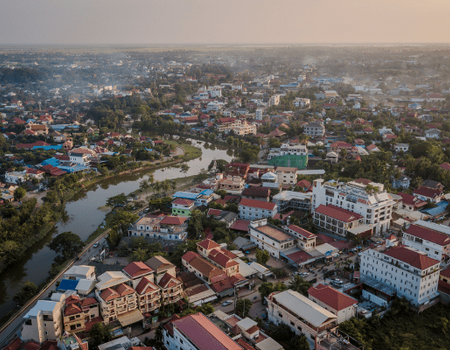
(223, 21)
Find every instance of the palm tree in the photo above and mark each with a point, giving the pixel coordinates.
(173, 185)
(151, 179)
(299, 285)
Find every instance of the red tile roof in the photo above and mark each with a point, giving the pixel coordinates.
(411, 257)
(208, 244)
(445, 272)
(331, 297)
(222, 259)
(88, 301)
(204, 334)
(409, 199)
(363, 181)
(445, 166)
(299, 257)
(136, 269)
(168, 281)
(240, 225)
(263, 192)
(257, 204)
(182, 201)
(214, 212)
(173, 220)
(427, 192)
(429, 235)
(338, 213)
(146, 286)
(301, 231)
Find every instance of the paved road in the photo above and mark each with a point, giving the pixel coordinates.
(13, 327)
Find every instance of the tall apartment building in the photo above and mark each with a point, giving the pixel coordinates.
(43, 321)
(373, 203)
(412, 274)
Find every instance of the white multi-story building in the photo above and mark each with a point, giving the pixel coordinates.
(288, 149)
(160, 227)
(302, 102)
(43, 321)
(305, 239)
(252, 209)
(81, 155)
(373, 203)
(274, 100)
(259, 114)
(301, 315)
(287, 175)
(412, 274)
(314, 129)
(270, 238)
(431, 239)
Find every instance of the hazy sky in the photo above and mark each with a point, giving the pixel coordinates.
(223, 21)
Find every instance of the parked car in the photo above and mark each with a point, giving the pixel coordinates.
(226, 303)
(95, 245)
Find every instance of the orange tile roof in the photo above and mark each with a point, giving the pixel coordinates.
(136, 269)
(331, 297)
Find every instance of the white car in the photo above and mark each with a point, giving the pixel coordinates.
(95, 245)
(226, 303)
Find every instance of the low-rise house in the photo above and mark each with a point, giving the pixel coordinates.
(305, 239)
(251, 209)
(433, 134)
(428, 194)
(411, 202)
(270, 238)
(300, 314)
(196, 332)
(338, 303)
(79, 272)
(232, 184)
(182, 207)
(404, 147)
(402, 181)
(160, 227)
(256, 193)
(202, 268)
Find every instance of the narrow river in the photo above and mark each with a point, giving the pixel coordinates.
(84, 218)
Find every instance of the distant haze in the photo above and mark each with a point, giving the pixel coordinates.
(223, 21)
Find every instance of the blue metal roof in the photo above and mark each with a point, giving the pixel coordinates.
(186, 195)
(68, 285)
(206, 192)
(52, 161)
(47, 148)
